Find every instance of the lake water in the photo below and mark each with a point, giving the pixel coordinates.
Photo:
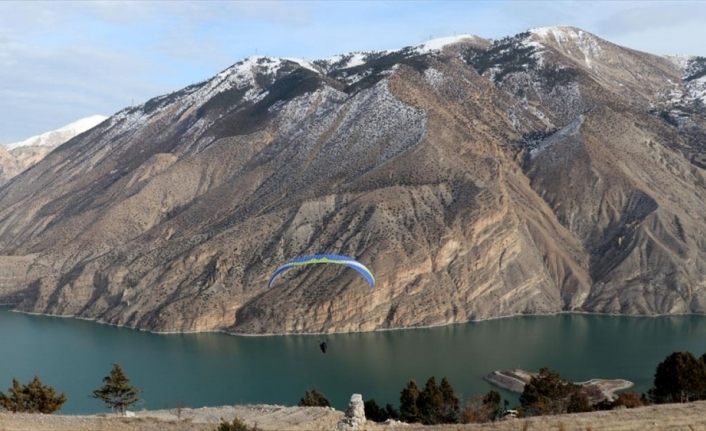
(217, 369)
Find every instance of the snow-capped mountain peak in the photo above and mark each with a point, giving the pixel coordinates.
(566, 37)
(60, 135)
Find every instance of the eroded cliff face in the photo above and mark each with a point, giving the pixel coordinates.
(543, 172)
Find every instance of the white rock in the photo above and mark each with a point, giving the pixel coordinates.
(355, 414)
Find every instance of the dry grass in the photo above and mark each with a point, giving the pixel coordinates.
(667, 417)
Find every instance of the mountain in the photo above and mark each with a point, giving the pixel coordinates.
(547, 171)
(18, 156)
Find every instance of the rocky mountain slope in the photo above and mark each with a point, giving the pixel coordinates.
(18, 156)
(547, 171)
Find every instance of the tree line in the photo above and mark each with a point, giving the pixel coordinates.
(35, 397)
(679, 378)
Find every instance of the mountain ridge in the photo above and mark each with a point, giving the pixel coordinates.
(531, 174)
(18, 156)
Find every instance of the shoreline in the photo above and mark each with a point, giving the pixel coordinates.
(407, 328)
(515, 380)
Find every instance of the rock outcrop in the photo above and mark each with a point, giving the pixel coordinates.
(354, 417)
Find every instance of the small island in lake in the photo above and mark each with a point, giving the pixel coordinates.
(597, 390)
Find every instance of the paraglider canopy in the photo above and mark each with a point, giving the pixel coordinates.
(325, 258)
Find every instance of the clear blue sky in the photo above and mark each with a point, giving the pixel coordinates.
(60, 61)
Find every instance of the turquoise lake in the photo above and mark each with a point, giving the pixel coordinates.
(217, 369)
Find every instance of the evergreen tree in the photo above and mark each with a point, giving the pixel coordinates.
(546, 393)
(15, 400)
(42, 398)
(450, 406)
(679, 378)
(430, 403)
(314, 398)
(116, 392)
(374, 412)
(391, 412)
(409, 397)
(34, 397)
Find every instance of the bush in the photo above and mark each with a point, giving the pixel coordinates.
(34, 397)
(482, 409)
(237, 425)
(314, 398)
(679, 378)
(629, 400)
(578, 403)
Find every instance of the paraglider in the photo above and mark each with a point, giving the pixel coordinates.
(327, 259)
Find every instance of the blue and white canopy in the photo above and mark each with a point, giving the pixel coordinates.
(325, 258)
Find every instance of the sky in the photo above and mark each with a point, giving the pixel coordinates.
(60, 61)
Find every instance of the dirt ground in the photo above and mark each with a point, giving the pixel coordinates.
(690, 417)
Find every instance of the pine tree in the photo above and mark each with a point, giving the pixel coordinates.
(546, 393)
(374, 412)
(43, 398)
(33, 397)
(430, 403)
(15, 400)
(116, 392)
(450, 405)
(314, 398)
(409, 412)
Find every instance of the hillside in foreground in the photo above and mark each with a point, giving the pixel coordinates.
(691, 416)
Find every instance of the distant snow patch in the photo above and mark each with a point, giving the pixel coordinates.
(304, 63)
(440, 43)
(59, 136)
(434, 77)
(563, 36)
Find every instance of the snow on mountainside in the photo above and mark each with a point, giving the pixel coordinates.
(546, 171)
(59, 136)
(442, 42)
(18, 156)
